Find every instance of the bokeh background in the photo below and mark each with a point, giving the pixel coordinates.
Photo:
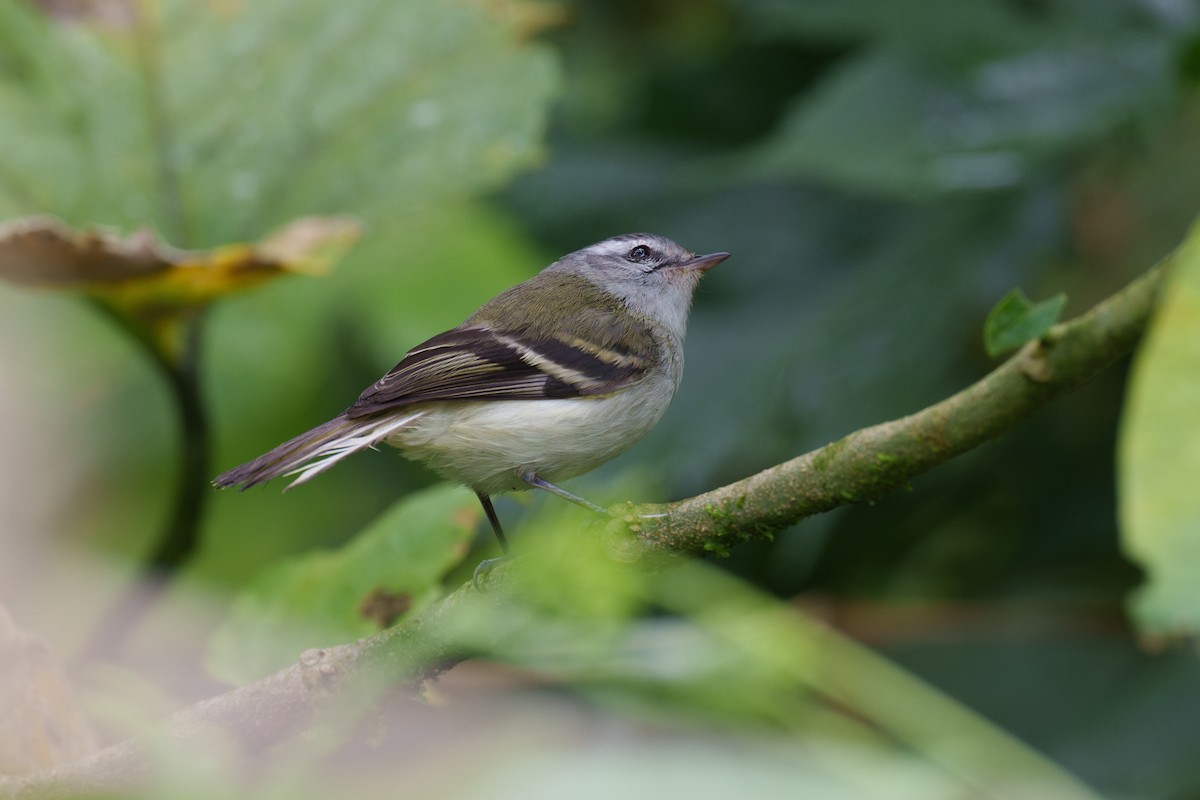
(883, 174)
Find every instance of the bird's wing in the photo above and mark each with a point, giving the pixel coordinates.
(476, 362)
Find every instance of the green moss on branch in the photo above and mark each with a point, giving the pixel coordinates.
(875, 461)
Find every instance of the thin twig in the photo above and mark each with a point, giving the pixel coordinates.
(180, 535)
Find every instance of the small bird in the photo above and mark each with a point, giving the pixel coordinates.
(546, 381)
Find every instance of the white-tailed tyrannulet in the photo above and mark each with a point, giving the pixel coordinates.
(546, 381)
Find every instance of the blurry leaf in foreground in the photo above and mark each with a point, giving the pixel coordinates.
(723, 656)
(1159, 455)
(154, 284)
(41, 723)
(772, 648)
(567, 571)
(1015, 321)
(263, 112)
(318, 599)
(718, 651)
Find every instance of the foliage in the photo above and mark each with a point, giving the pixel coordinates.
(393, 567)
(1160, 455)
(947, 97)
(1015, 321)
(213, 123)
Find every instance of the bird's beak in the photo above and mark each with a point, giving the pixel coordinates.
(701, 263)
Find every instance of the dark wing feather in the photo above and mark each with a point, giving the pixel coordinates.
(477, 363)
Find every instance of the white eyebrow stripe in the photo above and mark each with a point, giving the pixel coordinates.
(608, 249)
(619, 246)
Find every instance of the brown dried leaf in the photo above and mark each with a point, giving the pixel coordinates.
(42, 251)
(311, 245)
(153, 287)
(140, 272)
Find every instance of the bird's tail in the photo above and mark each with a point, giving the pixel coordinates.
(315, 451)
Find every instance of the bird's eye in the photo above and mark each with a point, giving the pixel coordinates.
(640, 253)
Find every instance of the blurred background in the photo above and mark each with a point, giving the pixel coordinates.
(882, 173)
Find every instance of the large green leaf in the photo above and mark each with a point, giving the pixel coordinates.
(328, 597)
(214, 122)
(1159, 460)
(944, 96)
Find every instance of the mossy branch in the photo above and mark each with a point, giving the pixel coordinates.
(874, 461)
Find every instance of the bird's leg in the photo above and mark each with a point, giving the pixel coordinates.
(488, 564)
(538, 482)
(486, 502)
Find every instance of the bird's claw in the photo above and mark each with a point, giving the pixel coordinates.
(486, 566)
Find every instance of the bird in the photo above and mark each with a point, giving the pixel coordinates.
(544, 382)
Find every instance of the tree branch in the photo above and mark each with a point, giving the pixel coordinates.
(874, 461)
(864, 465)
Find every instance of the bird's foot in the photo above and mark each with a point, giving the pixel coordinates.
(486, 566)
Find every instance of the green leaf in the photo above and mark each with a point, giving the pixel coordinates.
(717, 653)
(918, 26)
(1159, 456)
(373, 108)
(1015, 321)
(324, 598)
(942, 96)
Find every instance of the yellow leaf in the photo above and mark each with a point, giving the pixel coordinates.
(149, 278)
(311, 245)
(154, 287)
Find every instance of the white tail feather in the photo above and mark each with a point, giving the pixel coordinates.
(335, 450)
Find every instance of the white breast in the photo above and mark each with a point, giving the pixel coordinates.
(484, 445)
